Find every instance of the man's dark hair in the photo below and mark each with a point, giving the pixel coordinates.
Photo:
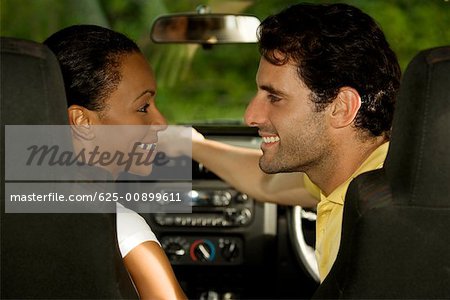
(89, 56)
(336, 45)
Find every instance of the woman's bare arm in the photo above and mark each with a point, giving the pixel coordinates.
(152, 273)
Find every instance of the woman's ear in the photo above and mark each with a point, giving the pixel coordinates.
(80, 119)
(344, 108)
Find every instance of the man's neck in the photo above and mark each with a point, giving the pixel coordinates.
(343, 163)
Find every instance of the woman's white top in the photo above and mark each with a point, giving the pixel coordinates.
(132, 230)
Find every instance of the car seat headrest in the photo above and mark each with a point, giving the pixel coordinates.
(418, 162)
(32, 87)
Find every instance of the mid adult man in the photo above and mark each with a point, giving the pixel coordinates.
(327, 82)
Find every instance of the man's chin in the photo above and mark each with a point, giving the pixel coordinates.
(271, 166)
(268, 167)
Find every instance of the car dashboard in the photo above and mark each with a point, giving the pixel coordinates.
(231, 246)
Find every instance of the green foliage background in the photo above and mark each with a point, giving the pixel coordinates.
(197, 84)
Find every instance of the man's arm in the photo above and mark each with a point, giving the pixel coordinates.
(240, 168)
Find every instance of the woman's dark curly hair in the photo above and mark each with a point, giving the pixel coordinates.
(89, 56)
(333, 46)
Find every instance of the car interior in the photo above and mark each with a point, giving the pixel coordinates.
(394, 232)
(36, 249)
(395, 243)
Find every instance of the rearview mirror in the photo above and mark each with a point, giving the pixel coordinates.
(205, 29)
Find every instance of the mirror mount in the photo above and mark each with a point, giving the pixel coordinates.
(203, 9)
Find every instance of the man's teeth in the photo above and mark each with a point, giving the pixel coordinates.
(270, 139)
(147, 147)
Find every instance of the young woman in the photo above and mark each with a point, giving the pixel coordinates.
(109, 82)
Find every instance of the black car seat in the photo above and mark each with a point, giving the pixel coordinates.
(50, 256)
(395, 235)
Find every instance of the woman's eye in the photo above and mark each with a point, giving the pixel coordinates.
(144, 108)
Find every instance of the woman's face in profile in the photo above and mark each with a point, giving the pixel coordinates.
(131, 106)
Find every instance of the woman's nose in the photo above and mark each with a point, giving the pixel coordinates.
(158, 121)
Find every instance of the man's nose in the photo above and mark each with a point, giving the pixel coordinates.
(256, 112)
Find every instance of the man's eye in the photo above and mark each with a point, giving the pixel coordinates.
(273, 98)
(144, 108)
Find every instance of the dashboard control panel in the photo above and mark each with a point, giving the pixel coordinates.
(220, 207)
(203, 250)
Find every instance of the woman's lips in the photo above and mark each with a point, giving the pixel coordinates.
(147, 146)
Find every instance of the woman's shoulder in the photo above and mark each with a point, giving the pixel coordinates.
(132, 230)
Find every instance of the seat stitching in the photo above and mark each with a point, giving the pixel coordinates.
(422, 137)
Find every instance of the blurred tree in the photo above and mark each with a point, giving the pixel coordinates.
(198, 84)
(36, 20)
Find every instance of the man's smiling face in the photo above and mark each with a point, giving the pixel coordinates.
(294, 135)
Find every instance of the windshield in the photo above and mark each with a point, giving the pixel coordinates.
(197, 85)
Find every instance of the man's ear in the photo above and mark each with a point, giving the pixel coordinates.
(344, 108)
(80, 119)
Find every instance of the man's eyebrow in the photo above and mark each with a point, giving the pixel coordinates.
(151, 92)
(272, 90)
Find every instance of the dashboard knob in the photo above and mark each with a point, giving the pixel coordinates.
(175, 248)
(221, 198)
(202, 250)
(230, 250)
(241, 198)
(238, 217)
(209, 295)
(243, 217)
(174, 251)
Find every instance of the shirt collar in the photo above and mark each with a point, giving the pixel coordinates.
(373, 162)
